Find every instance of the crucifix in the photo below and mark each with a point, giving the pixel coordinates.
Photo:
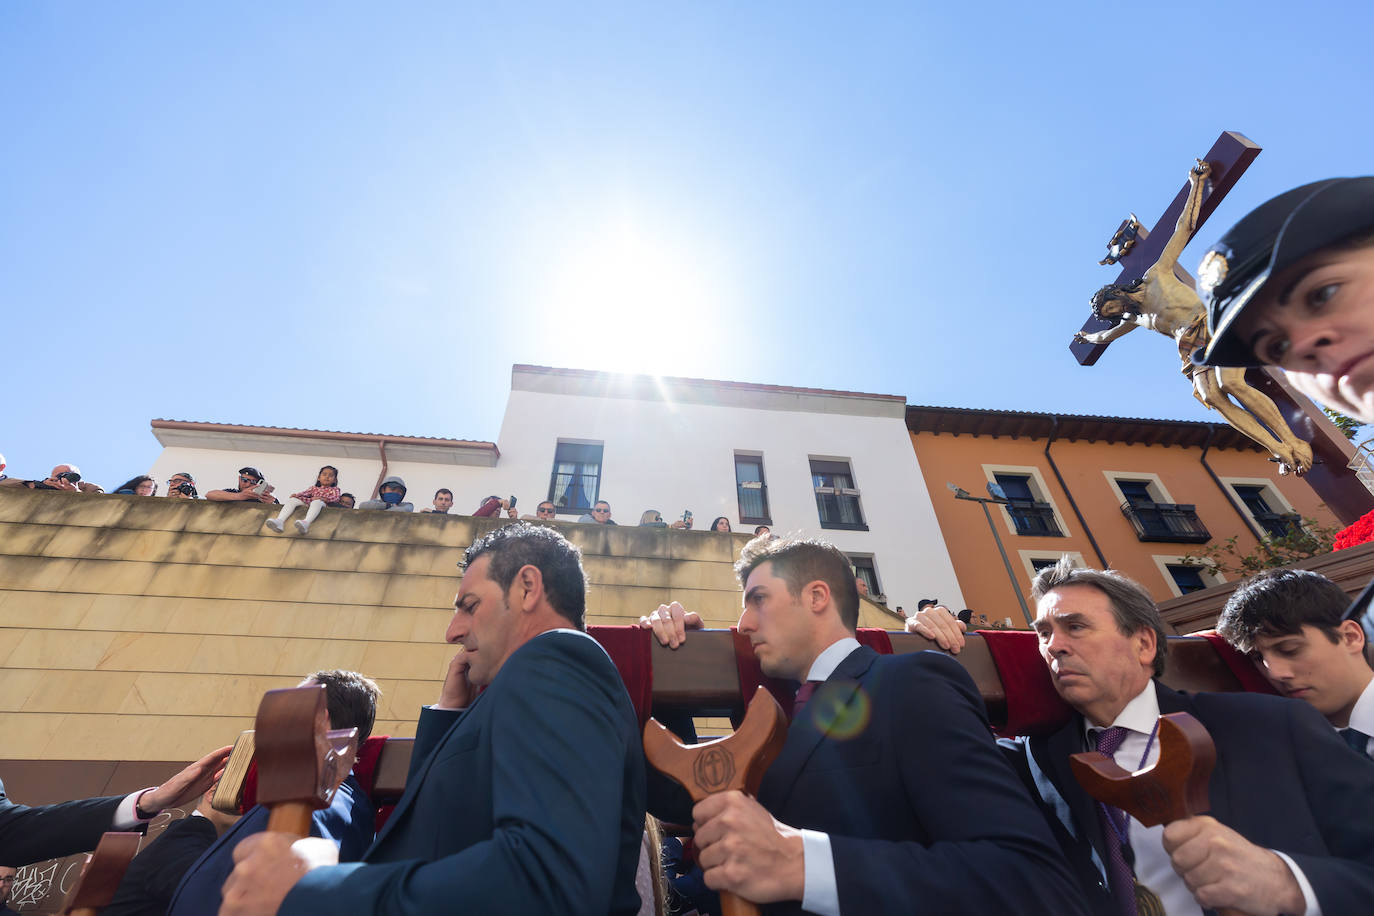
(1153, 291)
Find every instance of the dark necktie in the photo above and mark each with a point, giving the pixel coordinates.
(1358, 741)
(1116, 825)
(804, 696)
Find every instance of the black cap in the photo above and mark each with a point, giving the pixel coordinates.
(1268, 240)
(252, 472)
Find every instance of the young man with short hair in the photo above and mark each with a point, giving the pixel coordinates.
(889, 795)
(1291, 622)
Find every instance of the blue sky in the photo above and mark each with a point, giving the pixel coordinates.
(355, 217)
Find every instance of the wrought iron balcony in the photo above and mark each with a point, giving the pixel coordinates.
(1166, 522)
(1033, 518)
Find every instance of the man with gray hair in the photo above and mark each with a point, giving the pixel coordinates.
(1291, 825)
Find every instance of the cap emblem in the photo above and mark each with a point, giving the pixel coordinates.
(1211, 271)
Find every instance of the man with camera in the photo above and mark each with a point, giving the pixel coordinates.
(63, 477)
(182, 485)
(251, 488)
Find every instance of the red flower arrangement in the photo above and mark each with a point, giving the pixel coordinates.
(1354, 535)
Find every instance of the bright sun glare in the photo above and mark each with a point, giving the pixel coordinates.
(637, 301)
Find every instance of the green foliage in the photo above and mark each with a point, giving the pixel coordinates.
(1347, 425)
(1309, 539)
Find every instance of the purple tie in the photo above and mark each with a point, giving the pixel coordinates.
(803, 697)
(1115, 825)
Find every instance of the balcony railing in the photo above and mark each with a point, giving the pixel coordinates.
(1166, 522)
(1033, 518)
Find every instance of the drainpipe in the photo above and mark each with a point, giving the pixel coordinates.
(1073, 504)
(377, 487)
(1225, 491)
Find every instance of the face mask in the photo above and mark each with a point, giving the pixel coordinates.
(392, 498)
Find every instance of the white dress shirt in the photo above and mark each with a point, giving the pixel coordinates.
(1152, 866)
(821, 895)
(1362, 716)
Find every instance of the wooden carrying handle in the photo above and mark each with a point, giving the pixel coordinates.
(100, 879)
(300, 761)
(1173, 788)
(737, 761)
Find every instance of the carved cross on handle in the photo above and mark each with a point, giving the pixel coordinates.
(1173, 788)
(300, 761)
(102, 874)
(737, 761)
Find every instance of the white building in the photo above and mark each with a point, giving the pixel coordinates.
(835, 464)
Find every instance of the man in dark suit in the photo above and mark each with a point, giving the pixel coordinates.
(348, 821)
(1291, 825)
(151, 878)
(52, 831)
(525, 798)
(890, 795)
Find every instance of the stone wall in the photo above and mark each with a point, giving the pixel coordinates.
(136, 629)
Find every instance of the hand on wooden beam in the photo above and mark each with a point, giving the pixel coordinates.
(745, 851)
(936, 623)
(670, 624)
(1227, 872)
(185, 786)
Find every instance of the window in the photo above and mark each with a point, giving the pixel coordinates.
(1263, 505)
(751, 491)
(575, 484)
(1027, 514)
(1187, 578)
(1156, 519)
(1033, 561)
(837, 500)
(867, 573)
(1039, 563)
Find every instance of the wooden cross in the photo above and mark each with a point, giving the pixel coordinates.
(101, 877)
(1173, 788)
(1136, 248)
(300, 761)
(735, 762)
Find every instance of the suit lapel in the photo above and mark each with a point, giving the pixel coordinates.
(415, 780)
(804, 735)
(1053, 760)
(1174, 701)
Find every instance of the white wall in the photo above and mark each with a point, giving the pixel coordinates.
(672, 457)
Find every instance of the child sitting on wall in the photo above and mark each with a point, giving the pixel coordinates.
(325, 492)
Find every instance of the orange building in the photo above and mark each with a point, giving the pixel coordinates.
(1133, 495)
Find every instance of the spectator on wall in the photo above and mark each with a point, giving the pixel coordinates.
(545, 510)
(63, 477)
(252, 488)
(390, 496)
(721, 524)
(494, 506)
(325, 492)
(600, 514)
(347, 501)
(142, 485)
(182, 485)
(2, 468)
(443, 501)
(762, 531)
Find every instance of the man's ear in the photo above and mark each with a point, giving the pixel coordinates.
(1148, 639)
(529, 587)
(1352, 635)
(816, 595)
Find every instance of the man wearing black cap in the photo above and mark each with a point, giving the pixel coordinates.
(250, 489)
(1292, 285)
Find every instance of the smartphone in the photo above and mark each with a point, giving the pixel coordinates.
(687, 517)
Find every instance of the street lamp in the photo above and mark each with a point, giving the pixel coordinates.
(999, 499)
